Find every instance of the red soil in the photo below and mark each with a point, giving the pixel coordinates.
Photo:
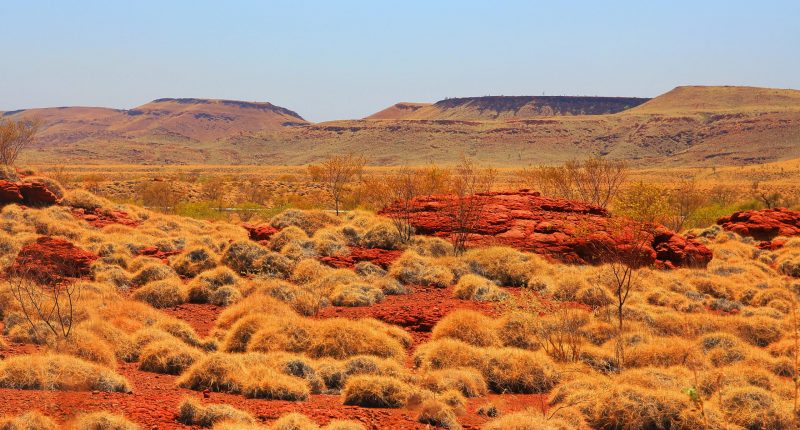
(764, 224)
(200, 316)
(570, 231)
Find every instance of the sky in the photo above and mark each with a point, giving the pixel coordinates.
(347, 59)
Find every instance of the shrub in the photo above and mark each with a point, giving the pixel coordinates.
(519, 329)
(275, 265)
(191, 263)
(478, 288)
(468, 326)
(630, 407)
(102, 421)
(161, 294)
(383, 235)
(412, 268)
(372, 391)
(356, 295)
(193, 413)
(31, 420)
(309, 270)
(519, 371)
(437, 414)
(168, 356)
(54, 372)
(329, 242)
(431, 246)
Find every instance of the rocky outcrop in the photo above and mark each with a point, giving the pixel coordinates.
(100, 218)
(51, 260)
(764, 224)
(260, 232)
(27, 193)
(9, 193)
(568, 231)
(380, 257)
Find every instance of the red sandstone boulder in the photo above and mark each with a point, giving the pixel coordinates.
(380, 257)
(52, 260)
(260, 232)
(9, 193)
(37, 194)
(569, 231)
(100, 218)
(764, 224)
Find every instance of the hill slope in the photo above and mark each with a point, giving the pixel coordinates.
(504, 107)
(688, 126)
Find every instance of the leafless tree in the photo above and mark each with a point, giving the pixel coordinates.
(336, 174)
(769, 198)
(14, 137)
(49, 301)
(684, 201)
(468, 185)
(402, 186)
(595, 180)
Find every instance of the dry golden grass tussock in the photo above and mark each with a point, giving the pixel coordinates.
(438, 414)
(162, 294)
(294, 421)
(468, 326)
(55, 372)
(535, 420)
(356, 294)
(512, 370)
(151, 270)
(192, 412)
(256, 304)
(219, 286)
(308, 271)
(102, 421)
(505, 266)
(194, 261)
(170, 356)
(341, 338)
(372, 391)
(31, 420)
(449, 353)
(80, 198)
(308, 221)
(411, 268)
(478, 288)
(468, 382)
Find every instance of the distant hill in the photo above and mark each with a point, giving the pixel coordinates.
(491, 108)
(183, 118)
(688, 126)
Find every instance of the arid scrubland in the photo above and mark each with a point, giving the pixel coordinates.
(714, 347)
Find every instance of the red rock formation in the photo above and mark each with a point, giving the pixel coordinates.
(37, 194)
(380, 257)
(52, 260)
(153, 251)
(259, 233)
(101, 218)
(27, 193)
(569, 231)
(764, 224)
(9, 193)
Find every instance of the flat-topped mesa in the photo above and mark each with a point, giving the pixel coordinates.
(565, 230)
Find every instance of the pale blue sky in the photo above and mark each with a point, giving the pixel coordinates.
(347, 59)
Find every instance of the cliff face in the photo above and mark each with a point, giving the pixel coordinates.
(502, 107)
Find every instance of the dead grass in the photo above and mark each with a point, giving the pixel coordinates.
(31, 420)
(54, 372)
(169, 356)
(371, 391)
(102, 421)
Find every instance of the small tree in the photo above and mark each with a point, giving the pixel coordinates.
(684, 201)
(595, 180)
(14, 137)
(336, 174)
(46, 300)
(627, 248)
(401, 188)
(214, 190)
(769, 198)
(468, 184)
